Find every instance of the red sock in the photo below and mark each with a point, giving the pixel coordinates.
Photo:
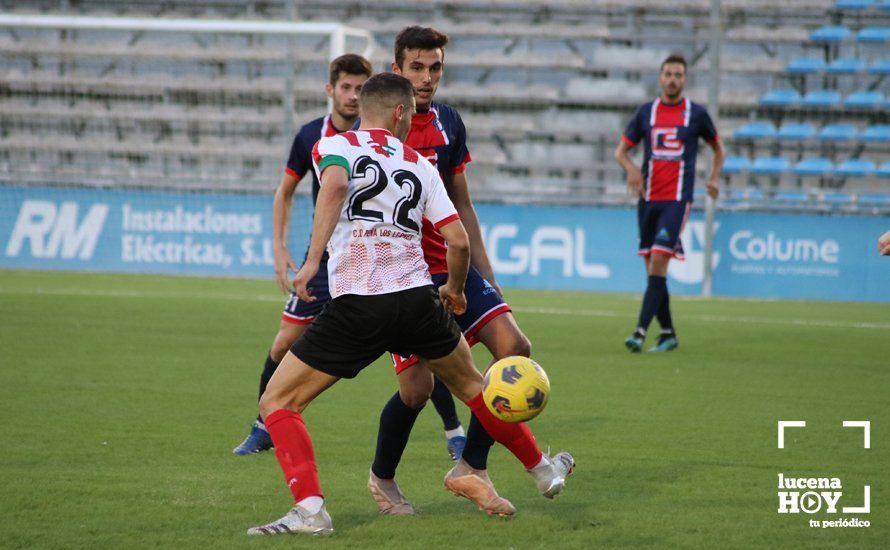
(517, 437)
(293, 448)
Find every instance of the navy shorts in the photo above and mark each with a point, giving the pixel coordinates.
(302, 313)
(483, 304)
(661, 223)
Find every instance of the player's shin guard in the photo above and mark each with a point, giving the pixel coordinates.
(516, 437)
(293, 448)
(655, 292)
(268, 370)
(664, 312)
(478, 445)
(444, 403)
(396, 421)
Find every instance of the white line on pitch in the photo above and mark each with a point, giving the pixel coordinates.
(520, 309)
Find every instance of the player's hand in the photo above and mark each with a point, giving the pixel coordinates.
(884, 244)
(284, 264)
(713, 189)
(301, 281)
(635, 182)
(453, 299)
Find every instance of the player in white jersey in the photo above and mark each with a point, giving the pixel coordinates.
(375, 191)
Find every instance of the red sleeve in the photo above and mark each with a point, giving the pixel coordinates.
(462, 167)
(446, 221)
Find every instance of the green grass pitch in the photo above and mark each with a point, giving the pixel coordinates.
(122, 397)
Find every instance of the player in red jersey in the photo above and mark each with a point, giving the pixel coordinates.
(347, 73)
(670, 128)
(374, 192)
(438, 133)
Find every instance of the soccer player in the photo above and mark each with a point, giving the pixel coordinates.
(438, 133)
(347, 74)
(670, 128)
(375, 193)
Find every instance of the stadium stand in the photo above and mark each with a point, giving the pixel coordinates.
(545, 91)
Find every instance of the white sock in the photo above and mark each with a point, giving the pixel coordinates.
(311, 504)
(544, 462)
(459, 431)
(667, 331)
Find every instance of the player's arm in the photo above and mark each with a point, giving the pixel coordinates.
(334, 183)
(281, 210)
(634, 175)
(459, 192)
(716, 168)
(458, 258)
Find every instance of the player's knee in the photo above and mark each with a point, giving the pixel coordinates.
(285, 338)
(415, 397)
(518, 345)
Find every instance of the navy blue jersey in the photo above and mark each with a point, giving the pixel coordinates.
(670, 134)
(299, 162)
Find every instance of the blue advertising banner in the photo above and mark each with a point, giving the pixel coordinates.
(141, 232)
(566, 248)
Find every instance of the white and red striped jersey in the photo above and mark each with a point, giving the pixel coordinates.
(376, 245)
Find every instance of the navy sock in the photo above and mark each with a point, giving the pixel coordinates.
(268, 371)
(664, 312)
(655, 292)
(444, 404)
(478, 445)
(396, 421)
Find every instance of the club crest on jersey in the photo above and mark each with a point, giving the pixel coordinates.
(666, 143)
(385, 150)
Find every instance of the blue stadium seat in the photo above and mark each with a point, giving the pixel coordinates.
(864, 100)
(884, 170)
(836, 197)
(838, 132)
(831, 33)
(805, 65)
(853, 4)
(874, 198)
(846, 65)
(879, 132)
(855, 168)
(821, 98)
(791, 196)
(756, 129)
(882, 66)
(770, 165)
(815, 166)
(746, 195)
(796, 131)
(780, 98)
(874, 34)
(735, 165)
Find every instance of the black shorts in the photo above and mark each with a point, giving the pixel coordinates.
(353, 331)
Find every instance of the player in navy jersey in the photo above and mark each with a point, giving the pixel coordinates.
(347, 74)
(669, 128)
(438, 133)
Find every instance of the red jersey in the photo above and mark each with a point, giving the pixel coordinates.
(440, 136)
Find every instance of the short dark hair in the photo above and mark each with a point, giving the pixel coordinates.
(349, 64)
(675, 58)
(418, 38)
(386, 90)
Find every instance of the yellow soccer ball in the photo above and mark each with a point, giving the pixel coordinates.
(515, 389)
